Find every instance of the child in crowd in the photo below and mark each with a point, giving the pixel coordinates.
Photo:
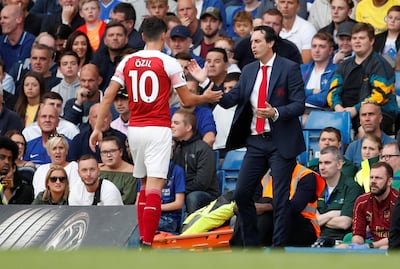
(68, 66)
(242, 25)
(227, 44)
(157, 8)
(93, 27)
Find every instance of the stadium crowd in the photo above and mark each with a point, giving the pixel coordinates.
(57, 58)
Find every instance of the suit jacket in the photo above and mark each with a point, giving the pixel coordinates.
(285, 93)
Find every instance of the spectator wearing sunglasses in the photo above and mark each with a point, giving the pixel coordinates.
(57, 188)
(57, 149)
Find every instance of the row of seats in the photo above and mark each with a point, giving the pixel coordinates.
(317, 120)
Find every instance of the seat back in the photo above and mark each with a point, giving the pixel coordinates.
(229, 172)
(318, 120)
(229, 10)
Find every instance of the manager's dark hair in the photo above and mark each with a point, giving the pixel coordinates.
(269, 35)
(153, 27)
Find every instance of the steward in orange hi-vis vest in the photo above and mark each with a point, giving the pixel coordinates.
(298, 174)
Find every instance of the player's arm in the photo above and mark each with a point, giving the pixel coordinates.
(190, 99)
(104, 109)
(209, 138)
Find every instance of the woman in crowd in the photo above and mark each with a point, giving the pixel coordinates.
(79, 42)
(25, 168)
(57, 188)
(116, 170)
(371, 148)
(27, 106)
(57, 148)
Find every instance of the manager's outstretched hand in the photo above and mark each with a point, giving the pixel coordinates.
(212, 96)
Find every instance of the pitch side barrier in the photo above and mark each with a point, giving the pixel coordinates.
(67, 227)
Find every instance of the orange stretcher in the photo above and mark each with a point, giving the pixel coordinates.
(218, 238)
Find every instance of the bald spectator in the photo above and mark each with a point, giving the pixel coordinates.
(370, 121)
(15, 43)
(32, 22)
(80, 143)
(187, 12)
(76, 110)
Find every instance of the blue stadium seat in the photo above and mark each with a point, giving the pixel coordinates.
(318, 120)
(229, 15)
(229, 171)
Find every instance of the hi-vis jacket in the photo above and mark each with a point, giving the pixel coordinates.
(310, 211)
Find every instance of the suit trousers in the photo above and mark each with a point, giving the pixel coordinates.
(261, 155)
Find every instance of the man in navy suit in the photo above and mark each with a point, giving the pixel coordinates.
(280, 139)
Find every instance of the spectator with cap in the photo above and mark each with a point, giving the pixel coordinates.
(181, 42)
(211, 25)
(343, 37)
(121, 104)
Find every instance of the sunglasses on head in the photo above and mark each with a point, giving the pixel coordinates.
(54, 179)
(56, 135)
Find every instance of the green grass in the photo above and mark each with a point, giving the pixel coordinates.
(132, 258)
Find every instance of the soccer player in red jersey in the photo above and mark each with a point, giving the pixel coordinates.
(149, 76)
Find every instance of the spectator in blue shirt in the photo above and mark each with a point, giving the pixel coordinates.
(15, 43)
